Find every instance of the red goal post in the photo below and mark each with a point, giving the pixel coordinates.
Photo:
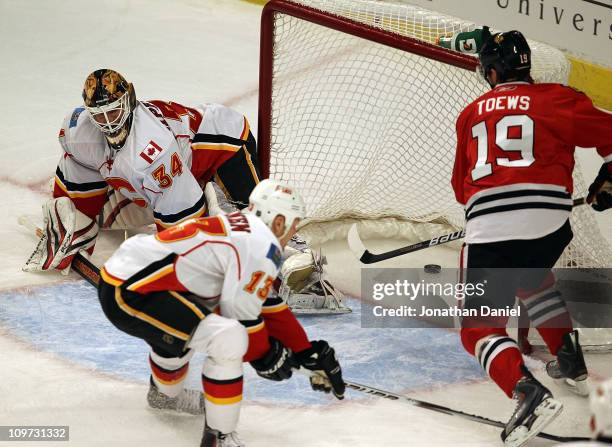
(357, 109)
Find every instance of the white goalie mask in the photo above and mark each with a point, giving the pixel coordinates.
(110, 101)
(271, 198)
(110, 118)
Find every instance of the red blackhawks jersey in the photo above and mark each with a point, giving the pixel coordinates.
(515, 157)
(229, 261)
(169, 149)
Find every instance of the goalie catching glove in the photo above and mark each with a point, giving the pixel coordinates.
(277, 364)
(600, 191)
(66, 231)
(320, 358)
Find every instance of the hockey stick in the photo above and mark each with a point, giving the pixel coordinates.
(367, 257)
(84, 267)
(440, 408)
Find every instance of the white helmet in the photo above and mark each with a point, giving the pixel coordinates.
(271, 198)
(601, 410)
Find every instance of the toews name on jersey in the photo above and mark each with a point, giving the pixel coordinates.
(515, 158)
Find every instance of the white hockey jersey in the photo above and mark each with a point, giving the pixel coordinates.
(230, 261)
(169, 150)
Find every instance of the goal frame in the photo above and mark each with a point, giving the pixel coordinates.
(342, 24)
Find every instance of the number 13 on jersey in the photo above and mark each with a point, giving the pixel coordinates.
(512, 133)
(256, 278)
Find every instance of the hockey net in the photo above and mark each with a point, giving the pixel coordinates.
(357, 110)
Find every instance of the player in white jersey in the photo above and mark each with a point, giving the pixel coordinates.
(156, 154)
(204, 285)
(601, 417)
(127, 163)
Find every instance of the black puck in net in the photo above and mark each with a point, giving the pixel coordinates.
(432, 268)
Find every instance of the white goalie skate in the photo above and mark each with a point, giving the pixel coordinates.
(304, 287)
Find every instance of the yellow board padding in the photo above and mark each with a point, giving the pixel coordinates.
(256, 2)
(594, 80)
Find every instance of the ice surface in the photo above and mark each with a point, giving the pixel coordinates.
(62, 363)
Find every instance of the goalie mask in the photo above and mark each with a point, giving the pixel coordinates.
(110, 101)
(509, 54)
(271, 198)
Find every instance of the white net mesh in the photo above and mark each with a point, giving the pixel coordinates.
(367, 131)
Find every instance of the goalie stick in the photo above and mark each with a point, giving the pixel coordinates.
(442, 409)
(367, 257)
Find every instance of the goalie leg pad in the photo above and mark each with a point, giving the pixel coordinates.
(304, 287)
(66, 232)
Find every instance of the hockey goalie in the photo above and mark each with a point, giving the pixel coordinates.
(129, 164)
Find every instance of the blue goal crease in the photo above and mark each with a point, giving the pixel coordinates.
(66, 319)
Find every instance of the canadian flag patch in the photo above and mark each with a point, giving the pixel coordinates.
(151, 152)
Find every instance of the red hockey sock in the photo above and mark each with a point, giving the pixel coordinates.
(501, 359)
(497, 353)
(548, 313)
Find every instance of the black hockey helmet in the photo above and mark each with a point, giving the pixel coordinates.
(509, 54)
(110, 101)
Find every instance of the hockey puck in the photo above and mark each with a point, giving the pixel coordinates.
(432, 268)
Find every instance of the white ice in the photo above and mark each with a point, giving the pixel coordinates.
(188, 51)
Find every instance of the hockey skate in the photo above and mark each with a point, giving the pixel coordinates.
(188, 401)
(213, 438)
(569, 369)
(535, 409)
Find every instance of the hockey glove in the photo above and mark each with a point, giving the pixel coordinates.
(321, 359)
(66, 232)
(600, 191)
(468, 42)
(276, 364)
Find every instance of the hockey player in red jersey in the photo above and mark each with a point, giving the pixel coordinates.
(203, 286)
(513, 173)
